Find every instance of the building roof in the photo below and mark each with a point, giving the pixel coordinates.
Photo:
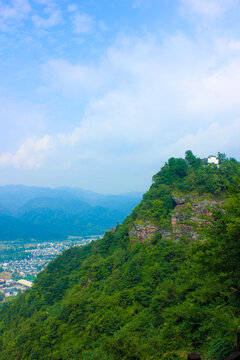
(25, 283)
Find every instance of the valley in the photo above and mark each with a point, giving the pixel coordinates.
(22, 262)
(161, 285)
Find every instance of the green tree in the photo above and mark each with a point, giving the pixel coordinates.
(192, 160)
(221, 157)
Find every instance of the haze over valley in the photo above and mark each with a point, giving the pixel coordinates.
(119, 179)
(50, 214)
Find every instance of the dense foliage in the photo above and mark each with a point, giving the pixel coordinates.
(115, 299)
(185, 176)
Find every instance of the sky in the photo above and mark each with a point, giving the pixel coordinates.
(99, 94)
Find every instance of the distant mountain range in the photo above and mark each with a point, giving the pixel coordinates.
(50, 214)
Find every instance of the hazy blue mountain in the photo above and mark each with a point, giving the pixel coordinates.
(124, 202)
(45, 213)
(12, 228)
(12, 197)
(73, 217)
(163, 284)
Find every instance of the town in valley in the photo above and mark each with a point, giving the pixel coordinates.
(21, 262)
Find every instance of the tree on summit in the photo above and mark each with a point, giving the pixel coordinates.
(192, 160)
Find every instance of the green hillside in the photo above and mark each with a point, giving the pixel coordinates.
(165, 283)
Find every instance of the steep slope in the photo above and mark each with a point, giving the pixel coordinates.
(149, 297)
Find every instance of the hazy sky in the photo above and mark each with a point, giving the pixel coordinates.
(100, 93)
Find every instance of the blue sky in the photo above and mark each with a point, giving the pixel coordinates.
(99, 94)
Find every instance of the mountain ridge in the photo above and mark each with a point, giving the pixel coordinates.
(56, 213)
(123, 298)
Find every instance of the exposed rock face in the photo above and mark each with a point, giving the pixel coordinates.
(143, 232)
(187, 218)
(147, 231)
(179, 199)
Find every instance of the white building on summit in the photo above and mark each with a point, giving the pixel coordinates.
(213, 160)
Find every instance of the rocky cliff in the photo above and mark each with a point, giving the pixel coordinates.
(132, 295)
(190, 214)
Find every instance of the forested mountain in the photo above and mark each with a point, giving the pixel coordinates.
(165, 283)
(44, 213)
(12, 228)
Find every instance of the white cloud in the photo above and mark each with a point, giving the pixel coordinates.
(83, 23)
(72, 7)
(210, 8)
(137, 3)
(221, 137)
(197, 79)
(53, 16)
(149, 100)
(12, 12)
(53, 19)
(75, 79)
(141, 3)
(145, 100)
(19, 120)
(46, 2)
(30, 154)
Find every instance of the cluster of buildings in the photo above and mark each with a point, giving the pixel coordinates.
(38, 256)
(25, 267)
(9, 288)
